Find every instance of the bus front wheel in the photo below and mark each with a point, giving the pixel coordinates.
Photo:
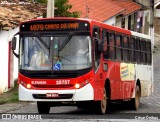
(43, 107)
(101, 106)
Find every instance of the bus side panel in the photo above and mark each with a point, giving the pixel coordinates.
(110, 74)
(117, 84)
(128, 81)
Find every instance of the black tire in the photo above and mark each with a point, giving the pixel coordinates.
(43, 107)
(102, 105)
(135, 102)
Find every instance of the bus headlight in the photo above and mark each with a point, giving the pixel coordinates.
(28, 86)
(77, 86)
(80, 85)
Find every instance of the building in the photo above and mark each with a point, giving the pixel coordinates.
(157, 16)
(129, 14)
(12, 12)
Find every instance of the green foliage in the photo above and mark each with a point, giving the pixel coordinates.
(62, 9)
(41, 1)
(10, 96)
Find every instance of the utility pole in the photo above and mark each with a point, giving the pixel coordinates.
(152, 20)
(50, 8)
(152, 34)
(151, 25)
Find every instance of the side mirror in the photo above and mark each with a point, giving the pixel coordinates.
(14, 41)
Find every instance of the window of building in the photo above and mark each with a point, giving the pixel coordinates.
(123, 23)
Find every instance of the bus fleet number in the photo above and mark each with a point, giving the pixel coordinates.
(62, 82)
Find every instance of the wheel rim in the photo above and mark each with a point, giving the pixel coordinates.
(104, 103)
(137, 98)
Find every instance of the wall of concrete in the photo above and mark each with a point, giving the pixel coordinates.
(5, 38)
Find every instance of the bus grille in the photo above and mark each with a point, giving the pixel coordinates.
(53, 86)
(60, 96)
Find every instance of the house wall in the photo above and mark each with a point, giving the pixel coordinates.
(143, 2)
(157, 25)
(146, 22)
(111, 21)
(118, 21)
(5, 37)
(156, 1)
(157, 13)
(126, 22)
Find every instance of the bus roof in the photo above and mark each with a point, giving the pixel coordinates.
(141, 35)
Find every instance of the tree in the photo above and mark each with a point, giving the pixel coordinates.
(62, 8)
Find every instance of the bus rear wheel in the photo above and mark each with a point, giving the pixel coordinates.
(135, 102)
(43, 107)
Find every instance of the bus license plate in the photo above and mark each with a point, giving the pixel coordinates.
(52, 95)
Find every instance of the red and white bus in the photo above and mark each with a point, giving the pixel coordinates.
(82, 61)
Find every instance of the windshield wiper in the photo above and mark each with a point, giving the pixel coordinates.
(65, 42)
(41, 40)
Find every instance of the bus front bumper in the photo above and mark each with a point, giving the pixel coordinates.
(86, 93)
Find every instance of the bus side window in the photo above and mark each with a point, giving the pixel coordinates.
(105, 45)
(112, 46)
(138, 50)
(131, 52)
(134, 50)
(145, 53)
(125, 49)
(148, 46)
(118, 48)
(143, 48)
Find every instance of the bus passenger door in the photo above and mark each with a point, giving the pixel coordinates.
(98, 88)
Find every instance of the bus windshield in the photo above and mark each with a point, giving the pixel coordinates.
(56, 52)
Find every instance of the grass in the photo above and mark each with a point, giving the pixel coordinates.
(10, 96)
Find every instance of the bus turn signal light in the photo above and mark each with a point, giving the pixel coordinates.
(28, 86)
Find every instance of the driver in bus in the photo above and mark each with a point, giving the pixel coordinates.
(82, 46)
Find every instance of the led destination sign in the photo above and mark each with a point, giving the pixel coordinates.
(68, 26)
(54, 26)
